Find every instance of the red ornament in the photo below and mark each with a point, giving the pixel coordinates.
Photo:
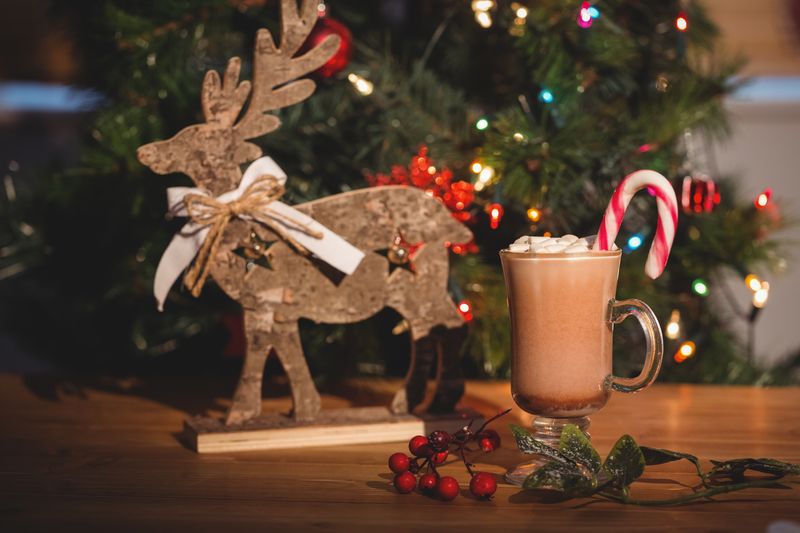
(324, 27)
(423, 174)
(699, 194)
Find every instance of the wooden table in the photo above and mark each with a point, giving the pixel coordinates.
(102, 454)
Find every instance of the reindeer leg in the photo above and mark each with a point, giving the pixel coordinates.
(305, 398)
(411, 395)
(247, 398)
(450, 382)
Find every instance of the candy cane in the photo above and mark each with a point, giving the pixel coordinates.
(667, 217)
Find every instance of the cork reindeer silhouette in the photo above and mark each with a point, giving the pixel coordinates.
(296, 285)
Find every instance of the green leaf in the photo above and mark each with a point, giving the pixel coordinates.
(659, 456)
(625, 463)
(736, 468)
(575, 445)
(565, 478)
(528, 444)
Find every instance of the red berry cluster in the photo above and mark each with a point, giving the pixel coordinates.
(433, 450)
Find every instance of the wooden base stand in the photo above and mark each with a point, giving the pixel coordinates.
(336, 426)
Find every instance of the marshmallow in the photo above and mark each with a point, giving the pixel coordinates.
(569, 244)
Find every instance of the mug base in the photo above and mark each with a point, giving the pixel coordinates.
(547, 430)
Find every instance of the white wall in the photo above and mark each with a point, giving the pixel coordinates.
(764, 151)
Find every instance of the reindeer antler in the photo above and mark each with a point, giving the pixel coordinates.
(274, 67)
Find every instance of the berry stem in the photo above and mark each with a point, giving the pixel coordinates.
(495, 417)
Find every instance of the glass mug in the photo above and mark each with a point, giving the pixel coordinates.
(563, 311)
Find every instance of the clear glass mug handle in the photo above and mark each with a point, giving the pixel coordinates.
(619, 311)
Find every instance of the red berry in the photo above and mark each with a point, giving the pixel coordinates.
(447, 488)
(399, 462)
(439, 458)
(439, 440)
(419, 446)
(405, 482)
(489, 440)
(483, 485)
(427, 483)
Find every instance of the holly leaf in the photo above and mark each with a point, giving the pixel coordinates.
(561, 477)
(736, 468)
(575, 445)
(528, 444)
(660, 456)
(625, 462)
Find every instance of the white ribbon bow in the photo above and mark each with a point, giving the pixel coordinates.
(184, 246)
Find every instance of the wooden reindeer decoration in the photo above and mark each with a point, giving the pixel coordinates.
(297, 285)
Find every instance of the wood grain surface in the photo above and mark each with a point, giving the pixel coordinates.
(102, 454)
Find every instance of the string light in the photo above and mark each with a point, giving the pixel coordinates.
(465, 308)
(518, 137)
(761, 296)
(481, 9)
(763, 199)
(585, 18)
(546, 96)
(682, 22)
(362, 85)
(752, 282)
(534, 214)
(685, 351)
(635, 241)
(481, 124)
(486, 174)
(673, 329)
(700, 287)
(476, 167)
(495, 211)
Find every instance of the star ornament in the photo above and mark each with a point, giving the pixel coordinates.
(400, 253)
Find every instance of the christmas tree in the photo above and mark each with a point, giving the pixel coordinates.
(520, 117)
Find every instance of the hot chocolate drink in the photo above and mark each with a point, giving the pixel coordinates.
(558, 298)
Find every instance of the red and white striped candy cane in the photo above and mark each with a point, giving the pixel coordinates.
(667, 217)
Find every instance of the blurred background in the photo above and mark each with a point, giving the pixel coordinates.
(537, 108)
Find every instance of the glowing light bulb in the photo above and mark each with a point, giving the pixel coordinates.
(495, 211)
(518, 137)
(635, 241)
(673, 329)
(546, 96)
(486, 175)
(761, 296)
(681, 22)
(362, 85)
(484, 19)
(534, 214)
(584, 15)
(763, 199)
(476, 167)
(481, 124)
(482, 5)
(521, 12)
(594, 12)
(685, 351)
(465, 308)
(752, 282)
(700, 287)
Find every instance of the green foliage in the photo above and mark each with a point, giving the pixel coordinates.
(568, 473)
(84, 271)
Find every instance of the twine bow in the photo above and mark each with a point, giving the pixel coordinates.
(254, 202)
